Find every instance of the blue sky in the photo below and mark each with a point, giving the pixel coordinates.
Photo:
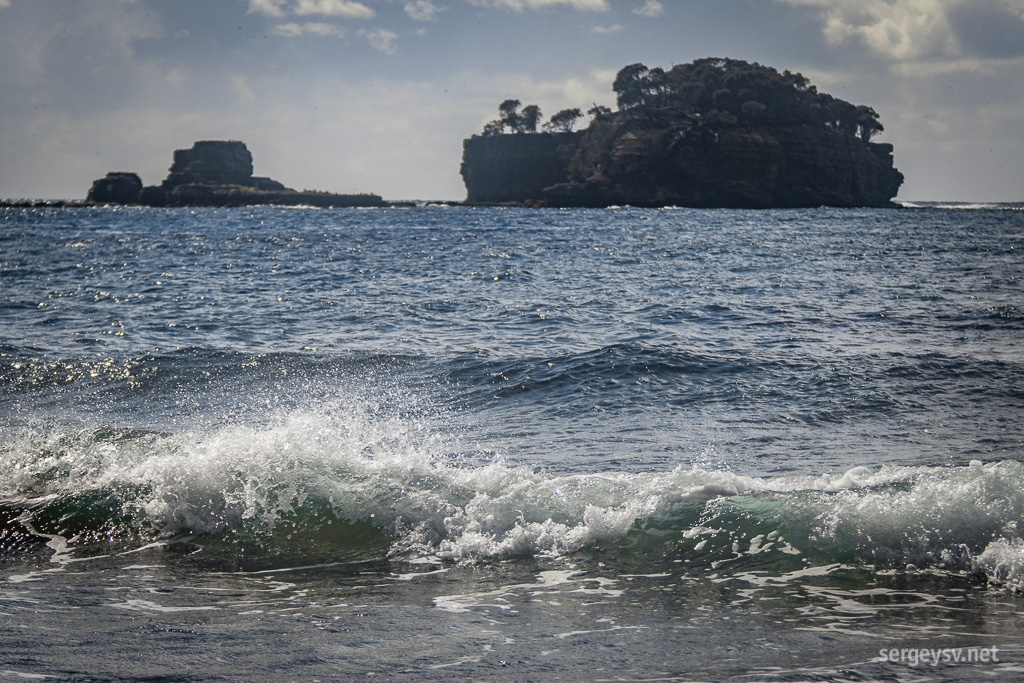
(377, 95)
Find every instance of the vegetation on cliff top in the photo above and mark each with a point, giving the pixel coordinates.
(514, 120)
(715, 93)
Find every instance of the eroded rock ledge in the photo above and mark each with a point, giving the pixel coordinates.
(215, 173)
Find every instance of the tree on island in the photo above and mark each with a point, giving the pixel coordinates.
(529, 119)
(509, 114)
(637, 86)
(730, 92)
(563, 121)
(510, 117)
(711, 93)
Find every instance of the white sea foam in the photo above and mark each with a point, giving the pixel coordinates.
(400, 475)
(1003, 563)
(966, 206)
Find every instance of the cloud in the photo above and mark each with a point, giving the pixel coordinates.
(269, 8)
(651, 8)
(5, 3)
(924, 30)
(607, 30)
(295, 30)
(422, 10)
(334, 8)
(242, 88)
(520, 5)
(381, 39)
(37, 54)
(893, 29)
(289, 30)
(988, 28)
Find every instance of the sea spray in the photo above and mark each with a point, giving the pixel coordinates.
(353, 467)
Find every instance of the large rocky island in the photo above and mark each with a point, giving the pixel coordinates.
(214, 173)
(714, 133)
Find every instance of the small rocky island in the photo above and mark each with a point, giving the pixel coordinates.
(716, 133)
(215, 173)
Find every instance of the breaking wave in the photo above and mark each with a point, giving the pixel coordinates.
(354, 485)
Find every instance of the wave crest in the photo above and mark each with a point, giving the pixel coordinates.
(311, 475)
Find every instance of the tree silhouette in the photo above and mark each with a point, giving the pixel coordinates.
(529, 119)
(509, 115)
(714, 92)
(637, 86)
(563, 121)
(867, 123)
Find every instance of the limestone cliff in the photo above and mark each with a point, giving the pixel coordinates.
(516, 168)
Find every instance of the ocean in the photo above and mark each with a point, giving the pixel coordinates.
(449, 443)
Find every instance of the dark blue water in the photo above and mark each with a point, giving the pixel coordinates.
(439, 442)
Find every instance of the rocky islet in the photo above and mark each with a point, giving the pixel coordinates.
(716, 133)
(215, 173)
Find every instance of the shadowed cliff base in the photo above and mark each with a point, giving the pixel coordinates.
(717, 133)
(215, 173)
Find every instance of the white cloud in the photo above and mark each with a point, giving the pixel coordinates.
(924, 30)
(651, 8)
(5, 3)
(381, 39)
(289, 30)
(322, 29)
(269, 8)
(607, 30)
(334, 8)
(520, 5)
(422, 10)
(295, 30)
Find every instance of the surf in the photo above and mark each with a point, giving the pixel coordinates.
(357, 485)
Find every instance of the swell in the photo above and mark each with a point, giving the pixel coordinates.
(816, 390)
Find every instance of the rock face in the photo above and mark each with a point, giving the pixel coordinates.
(211, 162)
(116, 188)
(218, 173)
(761, 167)
(516, 168)
(765, 167)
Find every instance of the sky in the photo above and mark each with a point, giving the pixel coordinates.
(378, 95)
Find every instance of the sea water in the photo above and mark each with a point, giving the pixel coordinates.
(447, 443)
